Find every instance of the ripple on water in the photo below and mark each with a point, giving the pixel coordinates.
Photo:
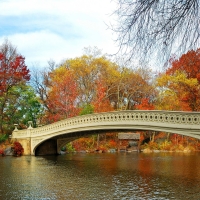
(101, 176)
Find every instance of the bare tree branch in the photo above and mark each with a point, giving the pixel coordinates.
(147, 28)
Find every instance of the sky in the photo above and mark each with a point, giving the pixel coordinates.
(44, 30)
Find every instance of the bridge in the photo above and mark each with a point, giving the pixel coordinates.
(49, 139)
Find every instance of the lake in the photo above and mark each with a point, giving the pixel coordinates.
(114, 176)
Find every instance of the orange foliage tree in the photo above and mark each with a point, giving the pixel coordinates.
(175, 91)
(62, 95)
(101, 103)
(145, 105)
(187, 90)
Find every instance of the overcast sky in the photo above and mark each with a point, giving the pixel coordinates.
(56, 29)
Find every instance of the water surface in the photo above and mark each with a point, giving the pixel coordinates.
(117, 176)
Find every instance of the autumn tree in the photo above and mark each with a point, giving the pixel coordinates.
(188, 63)
(101, 102)
(122, 87)
(145, 105)
(62, 95)
(89, 70)
(13, 73)
(179, 92)
(181, 82)
(167, 100)
(156, 27)
(57, 91)
(130, 88)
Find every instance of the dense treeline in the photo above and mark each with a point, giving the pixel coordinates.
(91, 83)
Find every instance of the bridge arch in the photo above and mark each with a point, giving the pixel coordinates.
(184, 123)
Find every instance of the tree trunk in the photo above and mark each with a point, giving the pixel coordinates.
(97, 141)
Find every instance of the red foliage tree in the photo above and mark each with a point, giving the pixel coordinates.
(62, 95)
(145, 105)
(188, 63)
(13, 72)
(101, 103)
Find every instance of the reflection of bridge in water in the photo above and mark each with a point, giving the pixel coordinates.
(51, 138)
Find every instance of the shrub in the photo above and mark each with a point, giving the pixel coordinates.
(165, 146)
(112, 144)
(3, 137)
(2, 152)
(101, 148)
(69, 148)
(18, 150)
(153, 146)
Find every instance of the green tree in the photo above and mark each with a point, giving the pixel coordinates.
(22, 106)
(29, 107)
(87, 109)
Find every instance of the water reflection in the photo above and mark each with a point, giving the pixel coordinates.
(101, 176)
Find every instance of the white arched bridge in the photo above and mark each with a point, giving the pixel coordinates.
(57, 134)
